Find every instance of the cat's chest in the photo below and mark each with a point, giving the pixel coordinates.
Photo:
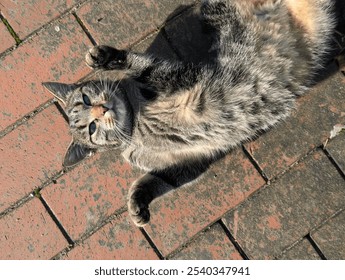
(146, 157)
(184, 107)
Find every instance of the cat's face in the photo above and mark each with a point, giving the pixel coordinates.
(99, 116)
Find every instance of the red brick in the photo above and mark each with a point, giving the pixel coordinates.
(27, 16)
(122, 23)
(289, 209)
(6, 40)
(303, 250)
(213, 244)
(51, 56)
(179, 215)
(87, 195)
(30, 233)
(31, 154)
(308, 127)
(119, 240)
(330, 237)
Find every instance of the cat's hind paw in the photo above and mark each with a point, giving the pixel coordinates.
(138, 208)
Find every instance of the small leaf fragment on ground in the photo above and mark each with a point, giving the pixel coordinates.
(336, 130)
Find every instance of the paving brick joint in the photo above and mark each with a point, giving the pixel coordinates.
(277, 197)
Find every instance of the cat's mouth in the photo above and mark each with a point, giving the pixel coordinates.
(109, 119)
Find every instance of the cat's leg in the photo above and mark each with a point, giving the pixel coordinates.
(157, 74)
(155, 184)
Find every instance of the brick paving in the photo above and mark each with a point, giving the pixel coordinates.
(278, 197)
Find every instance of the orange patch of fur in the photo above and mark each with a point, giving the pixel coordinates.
(304, 13)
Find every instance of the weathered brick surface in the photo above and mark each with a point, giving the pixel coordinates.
(27, 16)
(336, 148)
(287, 210)
(6, 40)
(29, 233)
(303, 250)
(213, 244)
(308, 127)
(84, 197)
(330, 237)
(119, 239)
(31, 154)
(179, 215)
(57, 54)
(122, 23)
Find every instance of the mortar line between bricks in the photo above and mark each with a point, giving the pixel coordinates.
(62, 111)
(83, 26)
(10, 29)
(288, 168)
(152, 244)
(25, 118)
(316, 247)
(256, 164)
(16, 205)
(311, 231)
(31, 195)
(39, 30)
(333, 161)
(56, 220)
(233, 240)
(116, 215)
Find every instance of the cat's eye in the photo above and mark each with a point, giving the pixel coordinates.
(86, 100)
(92, 128)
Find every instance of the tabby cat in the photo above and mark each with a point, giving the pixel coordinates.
(172, 119)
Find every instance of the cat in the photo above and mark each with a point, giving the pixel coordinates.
(172, 118)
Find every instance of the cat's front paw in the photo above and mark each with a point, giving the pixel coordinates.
(138, 206)
(105, 57)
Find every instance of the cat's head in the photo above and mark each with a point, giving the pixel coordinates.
(99, 115)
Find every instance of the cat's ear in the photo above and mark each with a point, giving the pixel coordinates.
(75, 153)
(59, 90)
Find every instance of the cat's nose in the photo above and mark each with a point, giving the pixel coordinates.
(98, 111)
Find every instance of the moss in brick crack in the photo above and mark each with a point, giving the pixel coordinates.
(10, 29)
(37, 193)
